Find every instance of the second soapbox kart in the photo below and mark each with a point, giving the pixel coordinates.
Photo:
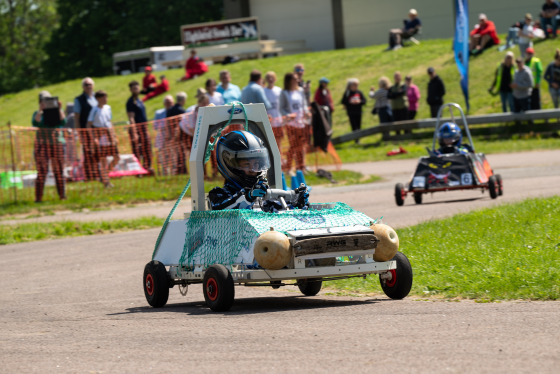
(450, 171)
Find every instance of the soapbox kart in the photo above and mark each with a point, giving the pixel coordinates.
(450, 171)
(250, 247)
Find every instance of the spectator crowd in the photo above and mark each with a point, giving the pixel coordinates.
(288, 103)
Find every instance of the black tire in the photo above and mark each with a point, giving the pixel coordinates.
(218, 288)
(310, 287)
(418, 197)
(493, 187)
(399, 194)
(401, 283)
(156, 284)
(500, 185)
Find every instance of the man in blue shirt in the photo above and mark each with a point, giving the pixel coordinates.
(138, 130)
(254, 92)
(230, 92)
(411, 27)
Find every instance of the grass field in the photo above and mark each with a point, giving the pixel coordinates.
(508, 252)
(28, 232)
(130, 191)
(367, 63)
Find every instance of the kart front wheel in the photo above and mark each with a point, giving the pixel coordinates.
(418, 197)
(400, 194)
(309, 287)
(493, 187)
(500, 185)
(156, 284)
(218, 288)
(400, 283)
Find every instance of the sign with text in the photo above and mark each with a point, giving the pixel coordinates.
(222, 32)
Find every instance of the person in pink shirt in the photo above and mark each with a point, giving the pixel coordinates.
(413, 94)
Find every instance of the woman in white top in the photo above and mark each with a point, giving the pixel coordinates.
(272, 93)
(105, 140)
(294, 111)
(214, 96)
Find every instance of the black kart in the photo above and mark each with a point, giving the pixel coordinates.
(450, 171)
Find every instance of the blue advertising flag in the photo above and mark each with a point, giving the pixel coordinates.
(461, 45)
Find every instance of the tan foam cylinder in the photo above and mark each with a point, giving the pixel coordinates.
(272, 250)
(388, 242)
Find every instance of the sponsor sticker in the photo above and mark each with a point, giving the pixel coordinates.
(235, 110)
(454, 183)
(419, 182)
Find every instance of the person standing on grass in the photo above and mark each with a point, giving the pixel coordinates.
(413, 95)
(323, 95)
(382, 107)
(214, 97)
(273, 93)
(502, 81)
(82, 106)
(293, 109)
(353, 100)
(299, 70)
(49, 146)
(254, 92)
(104, 138)
(165, 142)
(397, 95)
(436, 92)
(522, 86)
(138, 128)
(535, 65)
(175, 116)
(230, 92)
(552, 76)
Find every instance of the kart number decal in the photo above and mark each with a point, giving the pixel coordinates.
(419, 182)
(466, 179)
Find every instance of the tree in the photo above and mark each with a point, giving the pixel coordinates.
(25, 26)
(90, 31)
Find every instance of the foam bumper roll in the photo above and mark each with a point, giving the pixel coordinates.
(272, 250)
(388, 244)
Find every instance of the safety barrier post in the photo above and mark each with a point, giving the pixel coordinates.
(13, 160)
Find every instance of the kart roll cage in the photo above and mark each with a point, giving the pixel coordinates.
(439, 121)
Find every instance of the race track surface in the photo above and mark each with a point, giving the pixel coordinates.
(77, 305)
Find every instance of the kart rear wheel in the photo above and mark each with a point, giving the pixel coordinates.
(418, 197)
(493, 187)
(400, 283)
(218, 288)
(500, 185)
(156, 284)
(310, 287)
(400, 194)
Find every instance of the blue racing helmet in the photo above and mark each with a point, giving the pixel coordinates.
(449, 135)
(242, 158)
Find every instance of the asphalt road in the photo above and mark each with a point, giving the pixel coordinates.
(77, 305)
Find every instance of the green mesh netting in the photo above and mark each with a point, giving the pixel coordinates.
(227, 236)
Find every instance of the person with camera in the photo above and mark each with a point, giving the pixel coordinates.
(49, 144)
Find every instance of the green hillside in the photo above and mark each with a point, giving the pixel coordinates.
(368, 64)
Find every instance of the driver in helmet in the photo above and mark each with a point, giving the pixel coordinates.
(449, 138)
(243, 161)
